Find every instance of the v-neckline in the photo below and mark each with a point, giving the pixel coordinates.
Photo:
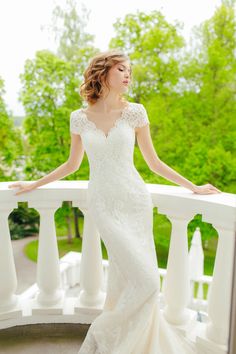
(106, 135)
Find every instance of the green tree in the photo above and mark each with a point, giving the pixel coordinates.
(10, 142)
(68, 27)
(189, 92)
(211, 69)
(153, 45)
(50, 84)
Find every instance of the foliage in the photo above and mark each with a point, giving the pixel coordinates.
(23, 222)
(49, 93)
(212, 109)
(10, 142)
(189, 93)
(153, 45)
(68, 28)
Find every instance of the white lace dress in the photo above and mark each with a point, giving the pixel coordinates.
(122, 209)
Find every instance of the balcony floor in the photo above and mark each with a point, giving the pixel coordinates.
(46, 339)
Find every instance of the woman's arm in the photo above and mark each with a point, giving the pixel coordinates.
(159, 167)
(68, 167)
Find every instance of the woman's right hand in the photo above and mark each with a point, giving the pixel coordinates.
(206, 189)
(23, 187)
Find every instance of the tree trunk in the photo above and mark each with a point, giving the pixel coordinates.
(76, 222)
(69, 228)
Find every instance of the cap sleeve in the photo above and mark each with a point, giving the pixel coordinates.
(76, 122)
(138, 116)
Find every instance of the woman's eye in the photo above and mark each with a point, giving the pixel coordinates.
(121, 69)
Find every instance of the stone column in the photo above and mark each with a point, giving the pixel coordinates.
(91, 269)
(48, 269)
(219, 298)
(177, 282)
(8, 279)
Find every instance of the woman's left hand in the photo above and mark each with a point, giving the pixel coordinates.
(206, 189)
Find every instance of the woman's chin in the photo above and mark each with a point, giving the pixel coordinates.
(124, 89)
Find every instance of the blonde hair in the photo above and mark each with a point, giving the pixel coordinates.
(95, 75)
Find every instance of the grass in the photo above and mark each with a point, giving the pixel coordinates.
(31, 248)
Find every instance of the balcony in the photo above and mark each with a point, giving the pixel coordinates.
(71, 291)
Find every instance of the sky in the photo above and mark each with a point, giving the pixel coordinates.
(21, 33)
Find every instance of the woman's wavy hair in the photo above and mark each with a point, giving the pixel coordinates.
(95, 76)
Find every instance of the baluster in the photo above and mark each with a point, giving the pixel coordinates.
(177, 283)
(215, 335)
(91, 268)
(48, 268)
(220, 290)
(196, 256)
(9, 307)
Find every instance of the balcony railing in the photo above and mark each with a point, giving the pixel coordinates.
(49, 303)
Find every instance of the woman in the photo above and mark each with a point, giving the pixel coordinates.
(122, 209)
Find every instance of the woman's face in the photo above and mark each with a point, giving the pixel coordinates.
(119, 77)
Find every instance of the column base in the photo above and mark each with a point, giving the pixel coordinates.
(86, 302)
(54, 309)
(50, 299)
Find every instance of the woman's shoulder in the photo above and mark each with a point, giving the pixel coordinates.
(77, 121)
(136, 105)
(76, 113)
(137, 114)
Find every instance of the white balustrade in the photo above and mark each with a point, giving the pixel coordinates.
(50, 305)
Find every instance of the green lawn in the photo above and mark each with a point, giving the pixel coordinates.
(31, 249)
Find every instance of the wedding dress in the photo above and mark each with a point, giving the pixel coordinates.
(122, 209)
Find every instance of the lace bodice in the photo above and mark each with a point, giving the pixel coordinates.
(134, 114)
(110, 156)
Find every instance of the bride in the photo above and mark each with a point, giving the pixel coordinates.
(122, 210)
